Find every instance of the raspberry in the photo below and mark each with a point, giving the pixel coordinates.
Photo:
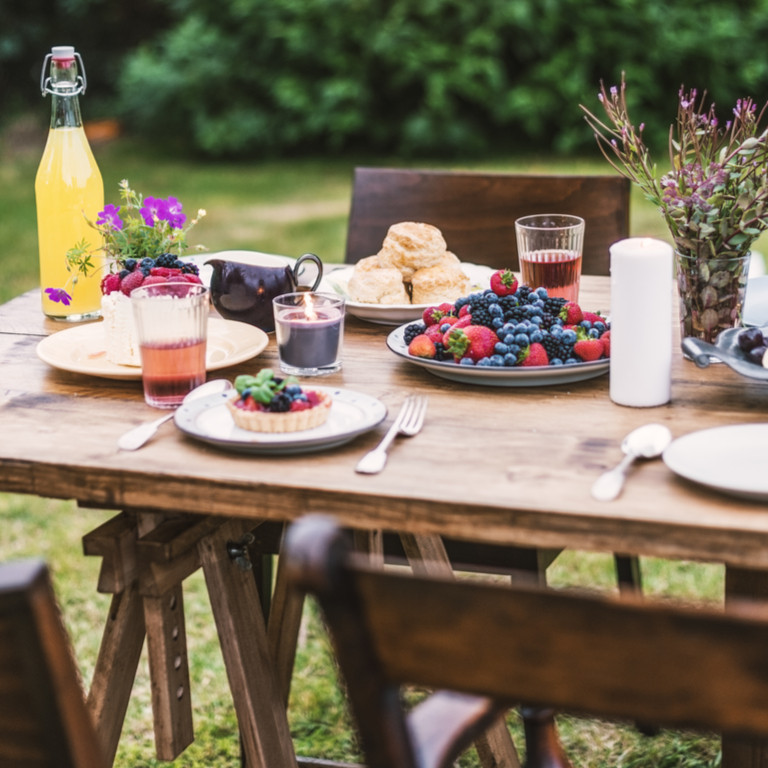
(131, 281)
(110, 283)
(154, 280)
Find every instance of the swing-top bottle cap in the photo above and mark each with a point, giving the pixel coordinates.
(63, 52)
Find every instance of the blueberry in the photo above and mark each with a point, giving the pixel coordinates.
(509, 338)
(130, 264)
(556, 361)
(124, 273)
(496, 361)
(600, 326)
(494, 310)
(497, 323)
(500, 348)
(147, 262)
(541, 293)
(585, 324)
(510, 359)
(536, 336)
(466, 361)
(293, 390)
(593, 333)
(569, 336)
(522, 339)
(484, 362)
(571, 361)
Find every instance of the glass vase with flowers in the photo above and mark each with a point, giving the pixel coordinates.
(714, 199)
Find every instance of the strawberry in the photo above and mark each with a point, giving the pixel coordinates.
(422, 346)
(593, 318)
(588, 349)
(432, 315)
(130, 281)
(110, 283)
(434, 333)
(503, 282)
(571, 313)
(464, 310)
(606, 339)
(472, 341)
(461, 322)
(534, 355)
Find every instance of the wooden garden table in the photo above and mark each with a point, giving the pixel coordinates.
(500, 465)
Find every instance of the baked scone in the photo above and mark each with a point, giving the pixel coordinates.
(376, 285)
(445, 281)
(267, 403)
(411, 245)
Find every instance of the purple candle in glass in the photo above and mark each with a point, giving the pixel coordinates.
(309, 328)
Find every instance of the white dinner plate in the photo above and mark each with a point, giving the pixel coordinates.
(82, 349)
(534, 376)
(352, 413)
(395, 314)
(729, 459)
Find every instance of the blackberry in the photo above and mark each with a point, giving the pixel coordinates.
(412, 331)
(522, 293)
(165, 260)
(130, 264)
(280, 403)
(441, 353)
(554, 304)
(556, 347)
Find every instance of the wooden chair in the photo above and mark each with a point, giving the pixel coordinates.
(476, 212)
(485, 647)
(44, 722)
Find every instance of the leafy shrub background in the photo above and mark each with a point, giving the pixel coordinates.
(416, 77)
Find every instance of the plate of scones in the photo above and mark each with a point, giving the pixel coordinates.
(413, 270)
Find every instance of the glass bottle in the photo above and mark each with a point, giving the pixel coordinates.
(68, 188)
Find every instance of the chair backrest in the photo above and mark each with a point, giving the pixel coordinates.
(476, 212)
(44, 722)
(615, 657)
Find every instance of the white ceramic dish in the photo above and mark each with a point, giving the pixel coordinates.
(756, 301)
(246, 257)
(395, 314)
(535, 376)
(352, 413)
(82, 349)
(730, 459)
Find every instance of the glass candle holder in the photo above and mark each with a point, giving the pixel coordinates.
(309, 328)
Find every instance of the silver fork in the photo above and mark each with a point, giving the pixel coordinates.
(409, 422)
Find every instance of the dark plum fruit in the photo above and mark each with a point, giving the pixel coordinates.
(755, 354)
(750, 338)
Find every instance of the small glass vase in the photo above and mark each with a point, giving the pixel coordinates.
(712, 292)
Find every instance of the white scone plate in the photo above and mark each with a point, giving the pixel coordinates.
(83, 349)
(395, 314)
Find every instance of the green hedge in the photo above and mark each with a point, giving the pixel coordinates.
(420, 77)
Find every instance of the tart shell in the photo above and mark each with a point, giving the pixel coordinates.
(290, 421)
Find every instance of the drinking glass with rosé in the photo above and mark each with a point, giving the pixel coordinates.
(550, 248)
(172, 325)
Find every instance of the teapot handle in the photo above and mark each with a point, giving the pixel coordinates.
(318, 263)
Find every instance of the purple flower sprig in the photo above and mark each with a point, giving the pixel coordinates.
(714, 198)
(141, 227)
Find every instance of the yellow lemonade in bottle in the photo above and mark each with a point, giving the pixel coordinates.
(69, 192)
(68, 188)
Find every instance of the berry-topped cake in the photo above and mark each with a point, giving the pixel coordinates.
(268, 403)
(119, 328)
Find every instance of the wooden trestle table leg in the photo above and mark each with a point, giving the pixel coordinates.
(236, 608)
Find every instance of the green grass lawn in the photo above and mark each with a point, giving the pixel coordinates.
(282, 207)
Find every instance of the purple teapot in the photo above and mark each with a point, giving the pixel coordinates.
(244, 283)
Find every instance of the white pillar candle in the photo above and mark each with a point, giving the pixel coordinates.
(641, 322)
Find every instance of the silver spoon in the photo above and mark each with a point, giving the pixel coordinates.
(647, 442)
(136, 437)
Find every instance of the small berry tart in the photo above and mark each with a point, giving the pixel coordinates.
(267, 403)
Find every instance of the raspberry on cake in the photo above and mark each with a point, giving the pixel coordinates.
(268, 403)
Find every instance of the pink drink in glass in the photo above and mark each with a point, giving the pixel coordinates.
(557, 271)
(172, 370)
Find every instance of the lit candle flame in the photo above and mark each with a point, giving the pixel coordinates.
(309, 309)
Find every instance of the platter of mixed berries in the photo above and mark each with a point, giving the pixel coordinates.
(507, 335)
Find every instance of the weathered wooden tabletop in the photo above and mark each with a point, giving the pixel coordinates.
(512, 465)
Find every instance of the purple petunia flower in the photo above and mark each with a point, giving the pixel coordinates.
(154, 209)
(109, 217)
(175, 217)
(59, 295)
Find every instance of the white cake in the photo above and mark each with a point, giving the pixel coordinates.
(120, 329)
